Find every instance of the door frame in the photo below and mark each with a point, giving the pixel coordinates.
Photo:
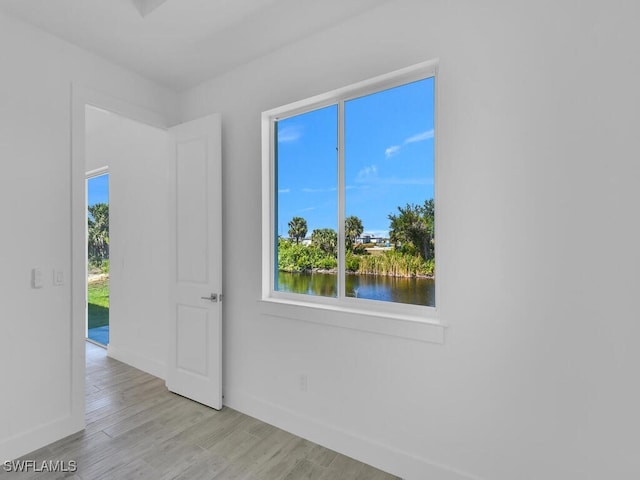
(81, 97)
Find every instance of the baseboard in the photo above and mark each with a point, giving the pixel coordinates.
(24, 443)
(372, 452)
(150, 366)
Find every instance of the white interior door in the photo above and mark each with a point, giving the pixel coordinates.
(195, 331)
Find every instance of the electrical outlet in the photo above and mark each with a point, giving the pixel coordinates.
(303, 382)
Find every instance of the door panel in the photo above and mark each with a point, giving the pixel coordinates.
(192, 213)
(191, 337)
(195, 353)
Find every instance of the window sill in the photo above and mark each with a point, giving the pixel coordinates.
(401, 326)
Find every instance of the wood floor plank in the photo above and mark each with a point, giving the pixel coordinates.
(284, 461)
(136, 470)
(171, 459)
(263, 453)
(137, 429)
(305, 470)
(343, 468)
(205, 467)
(234, 445)
(321, 456)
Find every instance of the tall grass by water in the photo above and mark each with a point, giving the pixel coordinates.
(390, 263)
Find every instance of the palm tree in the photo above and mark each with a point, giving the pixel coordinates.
(98, 231)
(352, 230)
(326, 239)
(297, 229)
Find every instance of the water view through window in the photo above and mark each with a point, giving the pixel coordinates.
(387, 164)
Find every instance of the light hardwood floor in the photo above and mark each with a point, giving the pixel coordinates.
(136, 429)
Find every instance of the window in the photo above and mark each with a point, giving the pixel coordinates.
(349, 203)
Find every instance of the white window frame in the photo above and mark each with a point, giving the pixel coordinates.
(397, 319)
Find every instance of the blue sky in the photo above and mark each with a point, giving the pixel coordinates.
(389, 155)
(98, 189)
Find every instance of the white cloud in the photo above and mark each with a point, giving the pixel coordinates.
(289, 134)
(391, 151)
(284, 190)
(319, 190)
(374, 179)
(368, 177)
(367, 174)
(407, 181)
(419, 137)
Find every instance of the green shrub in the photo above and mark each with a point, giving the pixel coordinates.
(360, 249)
(296, 257)
(352, 262)
(325, 262)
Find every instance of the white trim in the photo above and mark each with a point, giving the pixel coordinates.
(360, 89)
(341, 284)
(80, 97)
(97, 172)
(392, 325)
(368, 450)
(392, 312)
(34, 439)
(268, 201)
(110, 104)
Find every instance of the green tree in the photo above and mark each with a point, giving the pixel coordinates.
(98, 232)
(297, 229)
(352, 230)
(413, 228)
(326, 239)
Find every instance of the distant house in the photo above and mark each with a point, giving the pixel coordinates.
(370, 239)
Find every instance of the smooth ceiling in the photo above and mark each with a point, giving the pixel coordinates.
(182, 43)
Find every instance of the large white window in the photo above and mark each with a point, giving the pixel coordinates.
(349, 197)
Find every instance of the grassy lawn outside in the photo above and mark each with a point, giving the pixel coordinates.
(98, 299)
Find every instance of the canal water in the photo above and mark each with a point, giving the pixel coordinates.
(414, 291)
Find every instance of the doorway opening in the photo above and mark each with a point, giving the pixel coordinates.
(97, 329)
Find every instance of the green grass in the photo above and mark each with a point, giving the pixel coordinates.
(98, 299)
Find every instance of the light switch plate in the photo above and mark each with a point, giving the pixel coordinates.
(36, 278)
(58, 278)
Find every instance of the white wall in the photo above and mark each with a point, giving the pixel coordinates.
(35, 131)
(537, 378)
(137, 157)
